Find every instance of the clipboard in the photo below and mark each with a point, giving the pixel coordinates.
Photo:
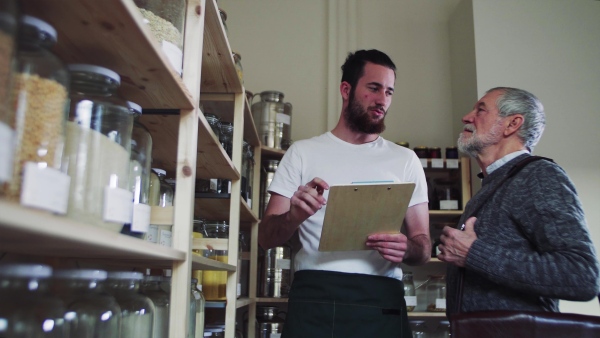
(355, 211)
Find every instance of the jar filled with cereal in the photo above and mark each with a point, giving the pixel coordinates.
(39, 97)
(97, 150)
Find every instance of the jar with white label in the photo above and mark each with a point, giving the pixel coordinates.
(436, 293)
(137, 310)
(39, 97)
(166, 20)
(27, 308)
(8, 35)
(98, 147)
(410, 296)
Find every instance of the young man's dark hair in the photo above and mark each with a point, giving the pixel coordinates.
(353, 68)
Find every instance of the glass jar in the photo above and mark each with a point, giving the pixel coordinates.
(237, 60)
(246, 156)
(447, 194)
(193, 305)
(215, 124)
(443, 329)
(200, 306)
(436, 293)
(249, 154)
(226, 140)
(154, 190)
(137, 310)
(98, 149)
(160, 299)
(139, 175)
(418, 328)
(267, 174)
(90, 311)
(166, 192)
(410, 295)
(8, 36)
(421, 151)
(268, 321)
(166, 20)
(214, 283)
(27, 309)
(39, 97)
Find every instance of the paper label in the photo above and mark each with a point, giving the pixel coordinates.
(6, 152)
(164, 237)
(437, 163)
(410, 300)
(440, 303)
(283, 264)
(213, 184)
(152, 234)
(117, 205)
(423, 162)
(449, 205)
(45, 188)
(174, 54)
(452, 163)
(283, 118)
(141, 217)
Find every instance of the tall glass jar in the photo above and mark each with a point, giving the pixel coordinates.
(40, 94)
(436, 293)
(91, 312)
(27, 309)
(200, 306)
(214, 283)
(160, 299)
(161, 195)
(8, 36)
(137, 310)
(98, 149)
(166, 19)
(410, 296)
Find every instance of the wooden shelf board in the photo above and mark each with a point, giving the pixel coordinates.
(271, 153)
(217, 209)
(111, 34)
(35, 232)
(243, 301)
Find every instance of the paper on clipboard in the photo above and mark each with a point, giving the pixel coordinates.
(356, 210)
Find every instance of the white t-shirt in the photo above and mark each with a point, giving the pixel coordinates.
(339, 162)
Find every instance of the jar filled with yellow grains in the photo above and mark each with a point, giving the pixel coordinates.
(214, 283)
(8, 35)
(40, 92)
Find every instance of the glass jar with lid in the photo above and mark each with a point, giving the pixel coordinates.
(98, 147)
(161, 234)
(166, 20)
(137, 310)
(139, 175)
(410, 295)
(214, 283)
(39, 98)
(8, 36)
(435, 288)
(160, 299)
(200, 306)
(27, 308)
(90, 311)
(165, 190)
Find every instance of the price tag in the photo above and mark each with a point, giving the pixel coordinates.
(45, 188)
(282, 264)
(6, 152)
(117, 205)
(141, 217)
(437, 163)
(410, 300)
(452, 163)
(174, 54)
(152, 234)
(283, 118)
(448, 205)
(423, 162)
(164, 237)
(440, 303)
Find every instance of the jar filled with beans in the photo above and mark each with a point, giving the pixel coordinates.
(39, 97)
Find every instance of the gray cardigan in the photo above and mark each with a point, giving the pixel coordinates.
(532, 247)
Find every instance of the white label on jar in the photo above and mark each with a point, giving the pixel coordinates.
(410, 300)
(152, 234)
(437, 163)
(174, 54)
(6, 152)
(452, 163)
(117, 205)
(283, 118)
(45, 188)
(440, 303)
(164, 236)
(249, 202)
(448, 205)
(229, 187)
(213, 184)
(423, 162)
(141, 217)
(283, 264)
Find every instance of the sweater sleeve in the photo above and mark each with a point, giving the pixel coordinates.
(559, 260)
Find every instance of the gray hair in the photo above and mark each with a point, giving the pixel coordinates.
(517, 101)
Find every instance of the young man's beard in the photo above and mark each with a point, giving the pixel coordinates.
(359, 119)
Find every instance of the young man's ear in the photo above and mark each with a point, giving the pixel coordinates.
(345, 89)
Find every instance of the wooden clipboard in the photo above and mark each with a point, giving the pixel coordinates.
(354, 211)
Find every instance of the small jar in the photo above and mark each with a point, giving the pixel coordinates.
(27, 308)
(237, 60)
(162, 234)
(39, 97)
(447, 194)
(98, 149)
(451, 152)
(137, 310)
(91, 312)
(436, 293)
(160, 299)
(418, 328)
(435, 152)
(421, 151)
(8, 36)
(166, 193)
(166, 20)
(410, 296)
(214, 283)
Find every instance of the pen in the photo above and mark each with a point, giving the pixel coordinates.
(462, 227)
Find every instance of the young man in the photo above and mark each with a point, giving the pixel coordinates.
(351, 293)
(525, 242)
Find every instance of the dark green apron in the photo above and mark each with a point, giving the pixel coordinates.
(326, 304)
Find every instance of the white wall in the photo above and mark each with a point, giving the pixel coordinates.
(551, 48)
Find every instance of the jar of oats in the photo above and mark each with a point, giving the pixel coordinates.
(8, 31)
(166, 19)
(97, 149)
(39, 97)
